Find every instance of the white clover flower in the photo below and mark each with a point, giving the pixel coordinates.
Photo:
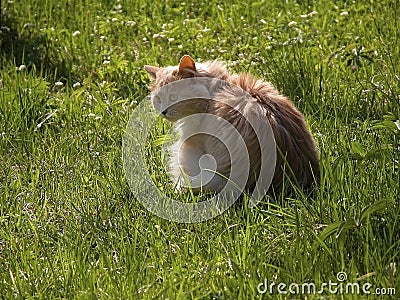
(58, 84)
(130, 23)
(102, 37)
(76, 85)
(114, 20)
(180, 46)
(312, 13)
(171, 40)
(309, 15)
(344, 13)
(21, 68)
(263, 21)
(292, 23)
(106, 62)
(76, 33)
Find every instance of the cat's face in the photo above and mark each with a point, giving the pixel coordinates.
(173, 97)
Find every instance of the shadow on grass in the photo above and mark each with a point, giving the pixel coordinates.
(29, 48)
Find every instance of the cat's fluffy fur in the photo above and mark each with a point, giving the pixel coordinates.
(297, 157)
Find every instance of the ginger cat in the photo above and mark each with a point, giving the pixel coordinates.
(296, 159)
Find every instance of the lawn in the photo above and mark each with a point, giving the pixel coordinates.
(71, 75)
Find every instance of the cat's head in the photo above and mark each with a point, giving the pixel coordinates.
(187, 68)
(168, 83)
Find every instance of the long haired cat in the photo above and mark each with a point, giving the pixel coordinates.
(297, 157)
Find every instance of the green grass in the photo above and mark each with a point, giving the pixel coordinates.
(69, 225)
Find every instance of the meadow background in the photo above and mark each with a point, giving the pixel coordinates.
(71, 73)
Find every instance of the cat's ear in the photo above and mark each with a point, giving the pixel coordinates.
(187, 63)
(152, 71)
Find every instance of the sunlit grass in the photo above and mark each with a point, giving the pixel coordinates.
(69, 225)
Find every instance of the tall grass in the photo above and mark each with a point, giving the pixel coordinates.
(71, 74)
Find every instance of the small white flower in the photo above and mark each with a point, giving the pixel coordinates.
(114, 20)
(76, 85)
(292, 23)
(180, 46)
(102, 37)
(130, 23)
(171, 40)
(344, 13)
(263, 21)
(106, 62)
(58, 84)
(21, 68)
(312, 13)
(76, 33)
